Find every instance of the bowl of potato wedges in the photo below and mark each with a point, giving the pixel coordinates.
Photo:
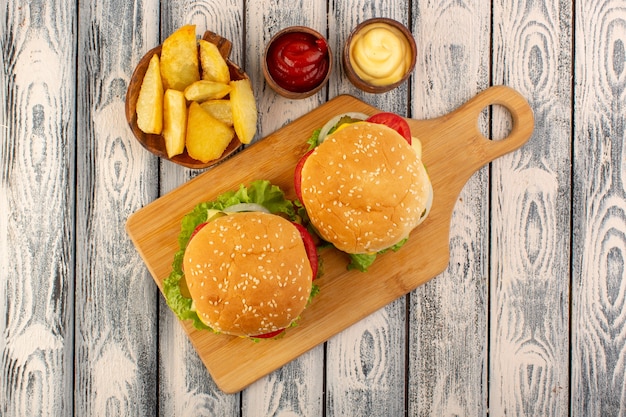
(187, 102)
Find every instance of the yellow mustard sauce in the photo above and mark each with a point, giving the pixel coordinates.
(380, 54)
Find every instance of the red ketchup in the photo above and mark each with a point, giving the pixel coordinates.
(298, 61)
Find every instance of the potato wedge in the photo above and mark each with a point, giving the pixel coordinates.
(244, 110)
(206, 90)
(150, 100)
(179, 59)
(207, 137)
(213, 64)
(174, 122)
(220, 109)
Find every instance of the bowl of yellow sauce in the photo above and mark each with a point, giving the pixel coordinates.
(379, 55)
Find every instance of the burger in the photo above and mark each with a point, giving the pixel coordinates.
(363, 185)
(245, 267)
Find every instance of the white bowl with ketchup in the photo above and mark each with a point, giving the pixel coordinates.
(297, 62)
(379, 55)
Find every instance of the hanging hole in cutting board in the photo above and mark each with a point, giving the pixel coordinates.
(501, 122)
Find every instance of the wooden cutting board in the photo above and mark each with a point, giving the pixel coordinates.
(453, 149)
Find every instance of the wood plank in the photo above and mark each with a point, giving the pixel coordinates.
(599, 204)
(453, 150)
(296, 388)
(529, 340)
(115, 302)
(36, 208)
(365, 364)
(448, 315)
(185, 387)
(264, 19)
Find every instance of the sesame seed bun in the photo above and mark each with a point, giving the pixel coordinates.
(248, 273)
(364, 188)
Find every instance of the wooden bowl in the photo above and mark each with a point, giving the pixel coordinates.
(156, 143)
(274, 85)
(350, 71)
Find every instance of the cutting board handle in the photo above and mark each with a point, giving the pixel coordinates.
(521, 114)
(458, 137)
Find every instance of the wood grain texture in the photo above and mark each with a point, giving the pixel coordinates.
(599, 247)
(185, 387)
(448, 315)
(529, 340)
(365, 365)
(295, 389)
(115, 302)
(36, 208)
(283, 392)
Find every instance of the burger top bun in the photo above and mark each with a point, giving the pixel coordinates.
(364, 188)
(248, 273)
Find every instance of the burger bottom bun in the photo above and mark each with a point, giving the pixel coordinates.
(248, 273)
(364, 188)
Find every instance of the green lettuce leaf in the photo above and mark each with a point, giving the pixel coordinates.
(342, 121)
(315, 290)
(313, 141)
(260, 192)
(363, 261)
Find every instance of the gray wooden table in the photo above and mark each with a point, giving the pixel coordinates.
(529, 319)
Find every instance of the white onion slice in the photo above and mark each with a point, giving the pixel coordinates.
(429, 204)
(236, 208)
(332, 122)
(416, 144)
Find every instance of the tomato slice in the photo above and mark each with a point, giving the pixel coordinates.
(195, 232)
(309, 247)
(268, 335)
(297, 176)
(393, 121)
(197, 229)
